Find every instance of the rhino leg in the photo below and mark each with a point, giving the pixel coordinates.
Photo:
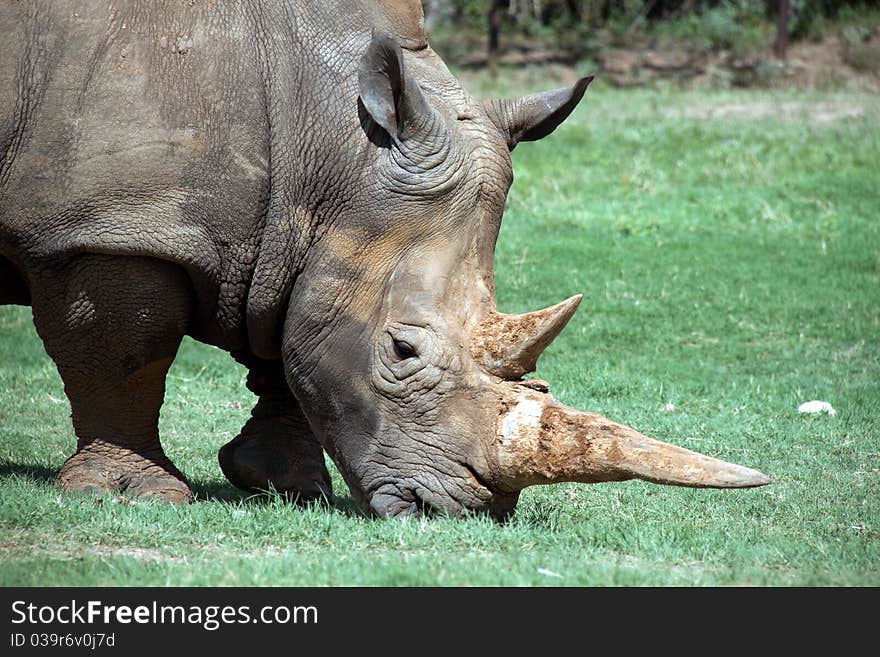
(276, 448)
(113, 325)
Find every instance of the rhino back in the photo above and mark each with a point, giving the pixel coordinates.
(134, 130)
(180, 131)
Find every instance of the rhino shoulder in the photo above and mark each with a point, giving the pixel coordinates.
(406, 20)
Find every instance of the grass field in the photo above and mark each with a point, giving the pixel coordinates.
(728, 245)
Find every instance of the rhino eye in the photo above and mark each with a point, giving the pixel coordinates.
(403, 349)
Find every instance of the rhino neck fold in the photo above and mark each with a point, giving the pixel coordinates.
(316, 149)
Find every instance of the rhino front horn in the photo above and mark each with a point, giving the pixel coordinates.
(540, 441)
(508, 346)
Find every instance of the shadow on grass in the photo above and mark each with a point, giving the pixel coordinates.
(40, 474)
(210, 490)
(217, 491)
(37, 473)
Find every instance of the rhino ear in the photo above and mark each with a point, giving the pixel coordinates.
(393, 101)
(534, 117)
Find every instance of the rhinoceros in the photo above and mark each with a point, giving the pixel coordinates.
(306, 186)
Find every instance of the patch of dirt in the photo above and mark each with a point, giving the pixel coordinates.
(76, 551)
(72, 550)
(819, 112)
(142, 554)
(827, 64)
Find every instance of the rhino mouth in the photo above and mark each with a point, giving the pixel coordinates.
(430, 497)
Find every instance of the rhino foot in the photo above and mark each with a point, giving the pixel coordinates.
(262, 458)
(104, 468)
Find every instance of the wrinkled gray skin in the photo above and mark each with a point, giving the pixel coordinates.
(223, 171)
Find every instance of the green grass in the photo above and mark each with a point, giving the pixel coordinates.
(731, 267)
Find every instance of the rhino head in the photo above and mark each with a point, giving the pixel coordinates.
(409, 375)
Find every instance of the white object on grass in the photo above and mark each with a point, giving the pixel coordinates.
(817, 406)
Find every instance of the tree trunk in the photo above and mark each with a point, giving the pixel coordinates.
(494, 30)
(781, 45)
(494, 27)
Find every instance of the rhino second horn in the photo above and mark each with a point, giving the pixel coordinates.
(540, 441)
(508, 346)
